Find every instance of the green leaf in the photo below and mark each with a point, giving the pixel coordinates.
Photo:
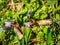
(33, 0)
(23, 10)
(40, 35)
(26, 33)
(44, 29)
(25, 1)
(2, 35)
(43, 9)
(36, 16)
(43, 16)
(51, 2)
(34, 29)
(57, 16)
(49, 38)
(44, 43)
(39, 14)
(28, 5)
(38, 43)
(24, 18)
(16, 38)
(10, 43)
(58, 8)
(21, 42)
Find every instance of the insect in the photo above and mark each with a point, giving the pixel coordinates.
(40, 22)
(44, 22)
(17, 29)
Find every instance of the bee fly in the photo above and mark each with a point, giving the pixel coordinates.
(17, 29)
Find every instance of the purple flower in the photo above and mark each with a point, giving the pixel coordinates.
(4, 30)
(27, 24)
(8, 24)
(28, 12)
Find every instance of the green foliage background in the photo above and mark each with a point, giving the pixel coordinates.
(39, 10)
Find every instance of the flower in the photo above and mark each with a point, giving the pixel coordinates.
(28, 12)
(27, 24)
(8, 25)
(4, 30)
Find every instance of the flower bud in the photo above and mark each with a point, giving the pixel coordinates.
(28, 12)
